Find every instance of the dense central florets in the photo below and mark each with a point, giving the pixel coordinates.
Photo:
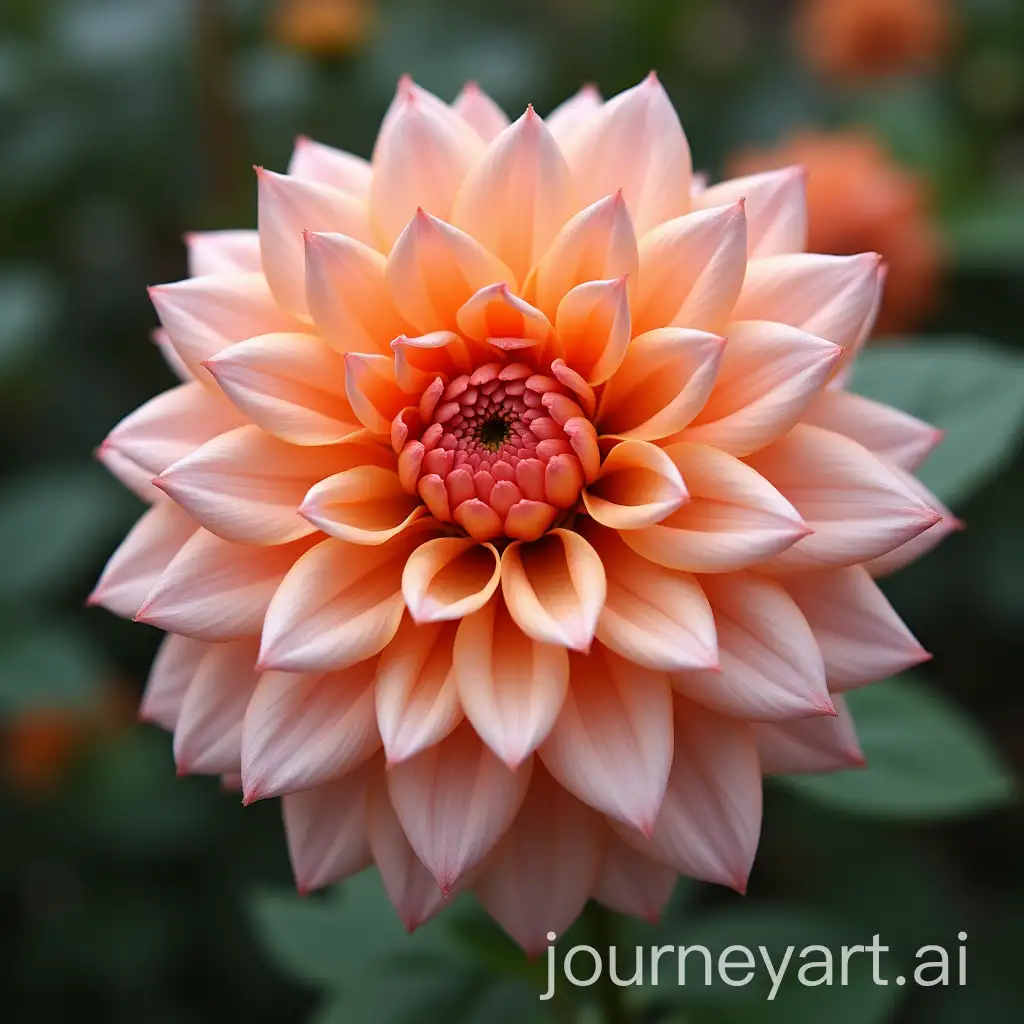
(496, 456)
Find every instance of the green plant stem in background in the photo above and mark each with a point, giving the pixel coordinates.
(601, 925)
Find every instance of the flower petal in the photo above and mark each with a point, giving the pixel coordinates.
(215, 590)
(419, 361)
(326, 831)
(776, 203)
(540, 875)
(417, 696)
(142, 557)
(288, 207)
(291, 385)
(809, 745)
(893, 435)
(638, 485)
(857, 507)
(518, 196)
(598, 244)
(511, 687)
(325, 165)
(174, 668)
(455, 800)
(691, 270)
(554, 588)
(302, 731)
(246, 485)
(634, 142)
(450, 577)
(482, 114)
(422, 155)
(433, 270)
(631, 883)
(208, 733)
(652, 616)
(768, 376)
(223, 252)
(348, 296)
(593, 327)
(771, 668)
(662, 384)
(734, 519)
(612, 743)
(495, 313)
(339, 604)
(572, 114)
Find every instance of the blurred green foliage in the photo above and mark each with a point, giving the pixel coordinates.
(130, 895)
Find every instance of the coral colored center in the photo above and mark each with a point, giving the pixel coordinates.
(494, 456)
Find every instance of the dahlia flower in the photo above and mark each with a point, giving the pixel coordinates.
(512, 519)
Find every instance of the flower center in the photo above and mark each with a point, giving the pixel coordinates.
(496, 454)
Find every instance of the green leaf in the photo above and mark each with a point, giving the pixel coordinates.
(926, 759)
(972, 390)
(54, 523)
(48, 666)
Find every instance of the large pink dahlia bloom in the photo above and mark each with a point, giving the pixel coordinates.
(512, 519)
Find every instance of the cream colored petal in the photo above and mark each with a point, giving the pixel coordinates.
(572, 114)
(482, 114)
(325, 165)
(554, 588)
(223, 252)
(638, 486)
(450, 577)
(691, 270)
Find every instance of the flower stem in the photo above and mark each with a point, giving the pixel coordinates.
(613, 1006)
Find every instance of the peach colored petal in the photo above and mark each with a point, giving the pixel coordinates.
(612, 743)
(455, 800)
(204, 315)
(450, 577)
(511, 687)
(246, 485)
(364, 505)
(554, 588)
(810, 745)
(830, 296)
(434, 269)
(175, 363)
(347, 295)
(215, 590)
(691, 270)
(593, 327)
(136, 478)
(857, 507)
(889, 433)
(662, 384)
(734, 519)
(480, 112)
(325, 165)
(638, 485)
(420, 361)
(142, 557)
(289, 207)
(411, 888)
(302, 731)
(634, 142)
(208, 733)
(768, 376)
(518, 196)
(539, 877)
(861, 637)
(496, 313)
(776, 203)
(169, 427)
(770, 668)
(598, 244)
(326, 831)
(340, 603)
(172, 672)
(710, 818)
(417, 695)
(423, 153)
(652, 616)
(291, 385)
(223, 252)
(373, 392)
(572, 114)
(631, 883)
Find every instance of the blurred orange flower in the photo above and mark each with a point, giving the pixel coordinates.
(858, 200)
(870, 38)
(321, 27)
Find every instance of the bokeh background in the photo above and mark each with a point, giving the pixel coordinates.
(129, 895)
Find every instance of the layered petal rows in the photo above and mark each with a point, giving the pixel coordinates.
(511, 520)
